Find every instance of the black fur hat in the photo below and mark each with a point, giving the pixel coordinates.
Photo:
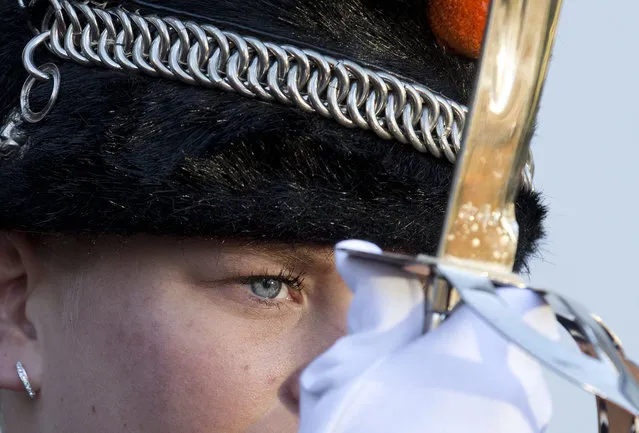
(126, 153)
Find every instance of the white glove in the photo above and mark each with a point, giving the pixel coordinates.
(385, 376)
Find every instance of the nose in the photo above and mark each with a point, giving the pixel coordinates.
(325, 324)
(290, 392)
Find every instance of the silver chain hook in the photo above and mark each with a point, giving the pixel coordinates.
(44, 73)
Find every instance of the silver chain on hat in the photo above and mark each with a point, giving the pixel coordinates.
(203, 55)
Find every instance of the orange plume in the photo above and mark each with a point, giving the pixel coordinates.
(459, 24)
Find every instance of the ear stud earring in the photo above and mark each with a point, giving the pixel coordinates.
(24, 377)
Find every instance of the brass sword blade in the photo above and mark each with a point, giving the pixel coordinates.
(480, 227)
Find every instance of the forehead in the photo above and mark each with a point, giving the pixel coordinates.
(293, 253)
(68, 253)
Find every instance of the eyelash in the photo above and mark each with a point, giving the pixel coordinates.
(292, 279)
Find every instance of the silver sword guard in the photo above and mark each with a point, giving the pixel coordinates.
(600, 367)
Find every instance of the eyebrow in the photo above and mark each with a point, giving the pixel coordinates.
(293, 255)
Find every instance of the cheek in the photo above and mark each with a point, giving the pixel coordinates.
(151, 352)
(184, 360)
(223, 358)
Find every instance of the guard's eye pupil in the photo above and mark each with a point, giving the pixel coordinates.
(266, 288)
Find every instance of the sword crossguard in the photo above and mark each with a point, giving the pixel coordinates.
(601, 368)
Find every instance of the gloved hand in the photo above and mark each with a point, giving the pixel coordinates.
(385, 376)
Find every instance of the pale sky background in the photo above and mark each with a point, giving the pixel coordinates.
(587, 152)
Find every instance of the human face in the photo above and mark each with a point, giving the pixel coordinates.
(160, 335)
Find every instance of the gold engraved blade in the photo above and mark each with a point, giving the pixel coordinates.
(481, 231)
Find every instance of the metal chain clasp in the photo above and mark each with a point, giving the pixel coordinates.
(46, 72)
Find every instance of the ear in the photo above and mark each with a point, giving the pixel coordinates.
(19, 268)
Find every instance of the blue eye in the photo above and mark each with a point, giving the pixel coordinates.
(269, 288)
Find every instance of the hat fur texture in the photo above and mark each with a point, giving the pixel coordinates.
(122, 153)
